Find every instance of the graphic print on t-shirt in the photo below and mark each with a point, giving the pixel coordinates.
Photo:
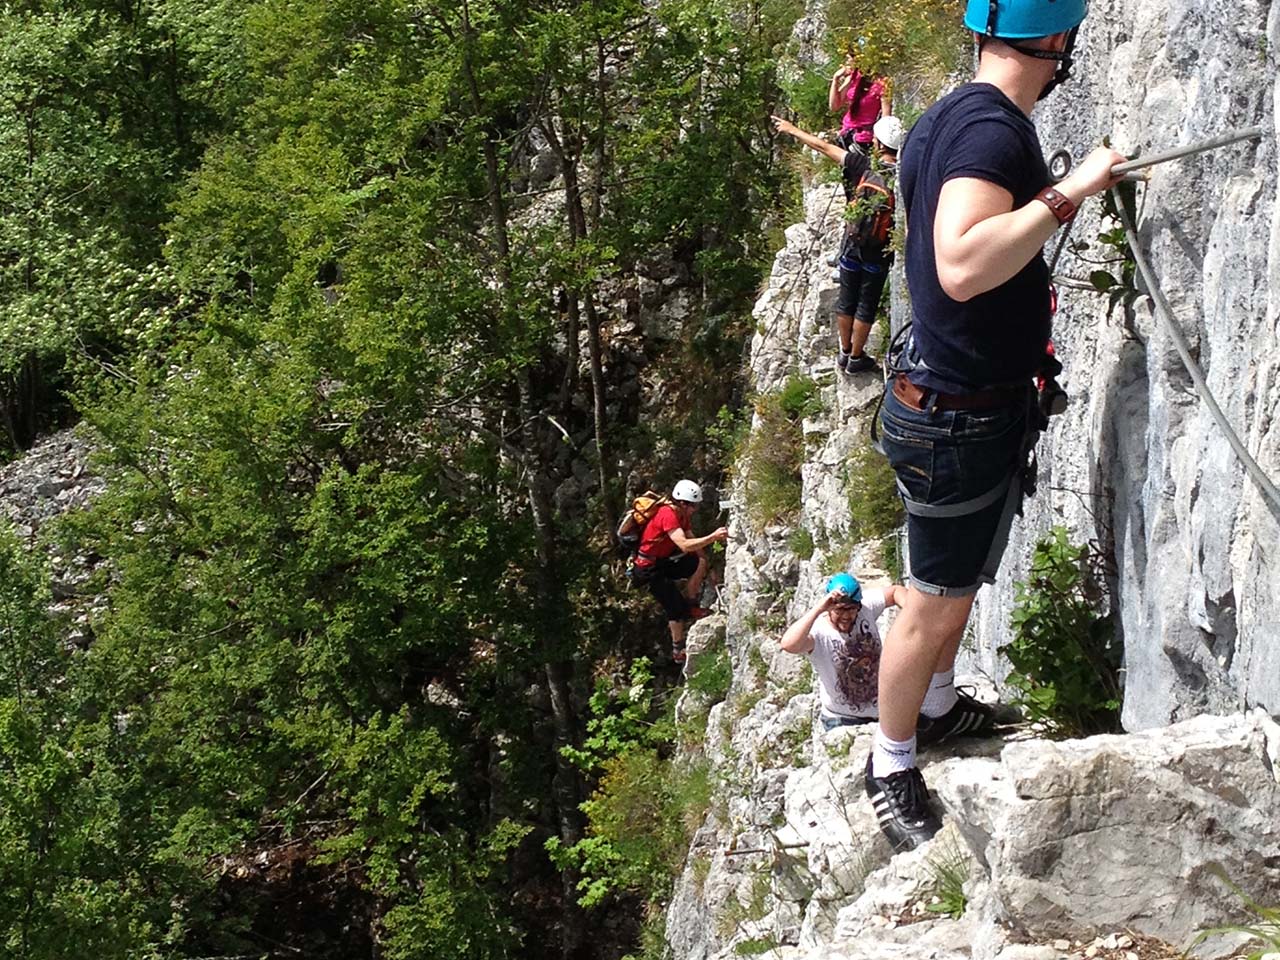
(857, 663)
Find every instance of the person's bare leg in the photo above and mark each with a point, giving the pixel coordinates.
(927, 627)
(950, 650)
(858, 337)
(693, 587)
(677, 632)
(844, 329)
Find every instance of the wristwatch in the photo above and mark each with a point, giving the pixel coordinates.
(1058, 203)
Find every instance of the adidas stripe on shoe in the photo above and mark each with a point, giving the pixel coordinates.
(968, 718)
(901, 804)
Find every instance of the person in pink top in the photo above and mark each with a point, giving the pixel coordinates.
(863, 98)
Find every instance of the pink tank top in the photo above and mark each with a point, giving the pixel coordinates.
(863, 108)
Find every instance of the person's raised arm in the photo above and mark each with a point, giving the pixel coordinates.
(832, 151)
(839, 83)
(796, 638)
(980, 241)
(688, 544)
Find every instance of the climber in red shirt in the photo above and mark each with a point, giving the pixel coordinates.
(669, 553)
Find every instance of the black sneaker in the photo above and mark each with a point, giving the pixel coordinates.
(901, 802)
(842, 361)
(967, 718)
(861, 364)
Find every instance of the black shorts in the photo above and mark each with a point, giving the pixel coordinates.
(861, 285)
(661, 580)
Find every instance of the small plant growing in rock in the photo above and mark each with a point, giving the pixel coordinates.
(950, 867)
(711, 676)
(799, 397)
(701, 868)
(773, 454)
(728, 432)
(759, 666)
(875, 509)
(892, 558)
(1065, 657)
(801, 682)
(1115, 274)
(800, 542)
(1265, 931)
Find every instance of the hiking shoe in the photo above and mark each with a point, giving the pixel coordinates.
(678, 652)
(901, 803)
(842, 361)
(861, 364)
(967, 718)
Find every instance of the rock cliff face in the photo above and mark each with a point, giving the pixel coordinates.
(1052, 842)
(1137, 463)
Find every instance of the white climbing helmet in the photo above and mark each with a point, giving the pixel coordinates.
(890, 133)
(687, 491)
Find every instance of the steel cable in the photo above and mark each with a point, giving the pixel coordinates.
(1164, 313)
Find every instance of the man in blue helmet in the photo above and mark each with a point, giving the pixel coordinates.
(956, 421)
(840, 638)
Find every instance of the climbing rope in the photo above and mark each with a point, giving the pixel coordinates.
(1164, 313)
(1060, 164)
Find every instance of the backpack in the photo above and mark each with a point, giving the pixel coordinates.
(631, 529)
(871, 209)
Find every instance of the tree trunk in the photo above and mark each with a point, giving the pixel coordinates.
(565, 782)
(606, 469)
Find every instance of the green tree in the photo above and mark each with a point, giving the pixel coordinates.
(354, 594)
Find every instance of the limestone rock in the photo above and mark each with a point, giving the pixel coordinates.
(1126, 832)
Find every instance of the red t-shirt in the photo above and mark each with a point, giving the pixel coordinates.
(655, 542)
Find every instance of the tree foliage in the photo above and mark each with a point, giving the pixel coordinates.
(287, 258)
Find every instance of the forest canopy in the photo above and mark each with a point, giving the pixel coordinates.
(341, 292)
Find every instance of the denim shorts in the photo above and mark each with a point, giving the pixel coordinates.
(947, 457)
(829, 722)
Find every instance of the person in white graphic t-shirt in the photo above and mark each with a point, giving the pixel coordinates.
(840, 638)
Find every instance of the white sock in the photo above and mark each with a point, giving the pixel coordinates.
(891, 756)
(941, 696)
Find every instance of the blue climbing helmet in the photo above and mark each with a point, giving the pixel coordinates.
(1024, 19)
(846, 585)
(1012, 20)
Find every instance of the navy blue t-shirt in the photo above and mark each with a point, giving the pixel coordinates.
(997, 337)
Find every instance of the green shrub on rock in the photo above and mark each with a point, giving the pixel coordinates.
(774, 453)
(875, 509)
(1065, 655)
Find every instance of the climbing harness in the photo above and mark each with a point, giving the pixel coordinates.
(902, 357)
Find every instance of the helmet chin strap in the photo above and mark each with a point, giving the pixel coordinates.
(1063, 56)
